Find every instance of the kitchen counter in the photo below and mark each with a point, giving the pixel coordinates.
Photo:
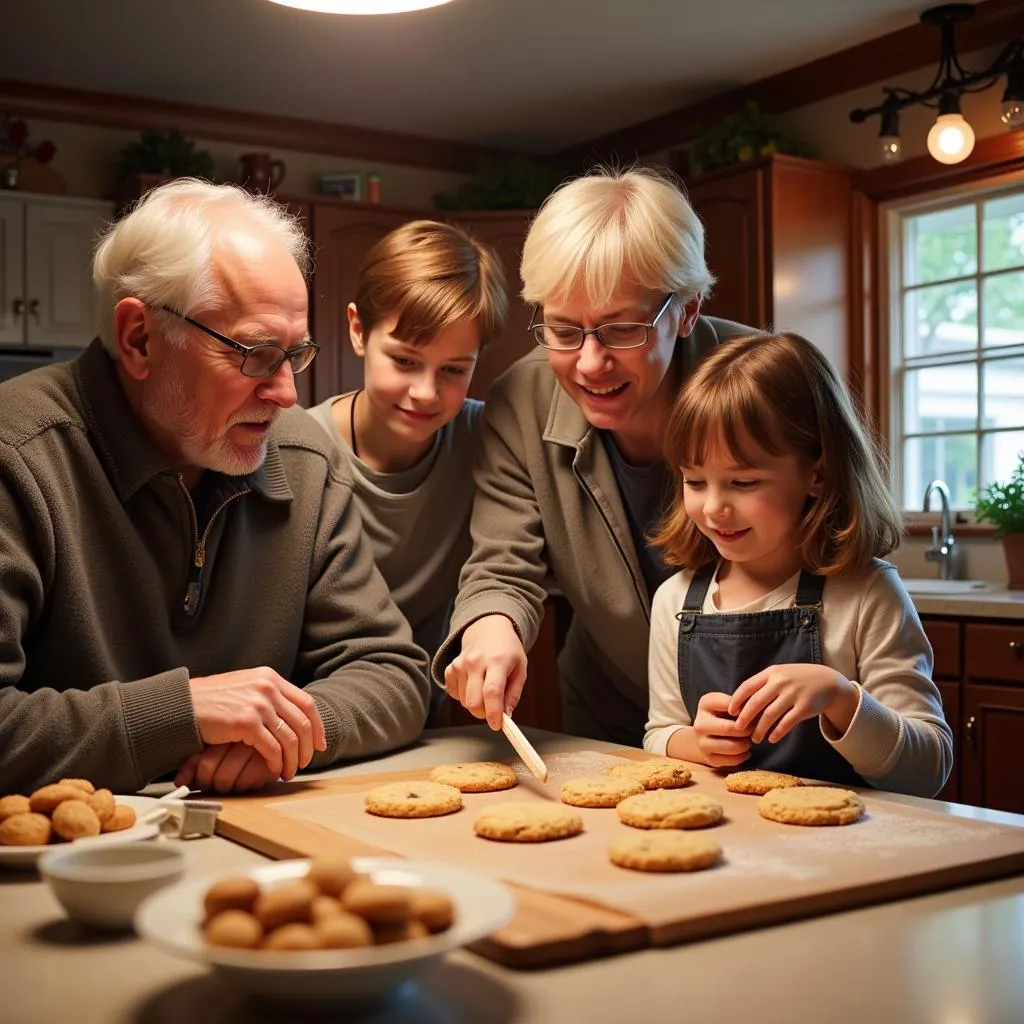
(953, 955)
(995, 602)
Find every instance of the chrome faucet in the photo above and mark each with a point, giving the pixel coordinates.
(943, 549)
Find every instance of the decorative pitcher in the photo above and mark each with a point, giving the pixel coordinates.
(260, 173)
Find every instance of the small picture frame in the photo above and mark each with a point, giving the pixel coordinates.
(343, 184)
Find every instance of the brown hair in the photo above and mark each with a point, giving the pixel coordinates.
(778, 392)
(431, 275)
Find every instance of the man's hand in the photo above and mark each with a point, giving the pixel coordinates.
(488, 675)
(770, 703)
(225, 768)
(722, 741)
(257, 707)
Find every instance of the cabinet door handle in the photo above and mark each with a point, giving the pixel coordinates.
(33, 308)
(18, 307)
(971, 732)
(1017, 647)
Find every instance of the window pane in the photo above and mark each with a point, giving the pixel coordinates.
(953, 459)
(940, 398)
(1003, 298)
(940, 245)
(941, 318)
(1003, 391)
(1003, 227)
(1000, 454)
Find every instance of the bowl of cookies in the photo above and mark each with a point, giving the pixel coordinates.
(325, 929)
(72, 810)
(102, 884)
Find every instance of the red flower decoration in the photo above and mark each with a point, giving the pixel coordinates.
(17, 132)
(45, 152)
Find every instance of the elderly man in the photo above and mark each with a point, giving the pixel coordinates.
(184, 583)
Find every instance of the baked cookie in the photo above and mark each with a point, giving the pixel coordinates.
(811, 805)
(75, 819)
(527, 823)
(46, 799)
(665, 809)
(599, 790)
(413, 800)
(28, 829)
(665, 851)
(759, 782)
(13, 804)
(475, 776)
(123, 817)
(659, 773)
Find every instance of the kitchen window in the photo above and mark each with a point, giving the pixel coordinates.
(956, 341)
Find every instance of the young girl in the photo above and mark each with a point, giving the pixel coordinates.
(789, 645)
(428, 298)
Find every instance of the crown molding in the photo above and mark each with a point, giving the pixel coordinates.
(136, 113)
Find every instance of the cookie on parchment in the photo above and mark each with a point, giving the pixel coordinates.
(475, 776)
(758, 782)
(665, 851)
(413, 800)
(811, 805)
(527, 823)
(657, 773)
(599, 790)
(663, 808)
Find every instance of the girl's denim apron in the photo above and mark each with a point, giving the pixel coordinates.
(717, 652)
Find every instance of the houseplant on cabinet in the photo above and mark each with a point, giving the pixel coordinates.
(1002, 504)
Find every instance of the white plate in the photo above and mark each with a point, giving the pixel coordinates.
(172, 920)
(25, 857)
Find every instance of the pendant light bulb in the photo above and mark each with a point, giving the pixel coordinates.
(360, 6)
(951, 138)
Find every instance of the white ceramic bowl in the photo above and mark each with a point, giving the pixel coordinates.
(102, 884)
(172, 919)
(25, 858)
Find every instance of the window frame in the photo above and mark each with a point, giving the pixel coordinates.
(890, 412)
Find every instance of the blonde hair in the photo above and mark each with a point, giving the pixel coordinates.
(162, 251)
(432, 275)
(778, 393)
(615, 226)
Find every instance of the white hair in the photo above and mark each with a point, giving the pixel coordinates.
(613, 227)
(162, 251)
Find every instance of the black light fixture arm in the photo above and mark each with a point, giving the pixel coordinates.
(951, 79)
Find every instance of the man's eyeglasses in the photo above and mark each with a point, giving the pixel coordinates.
(262, 360)
(566, 337)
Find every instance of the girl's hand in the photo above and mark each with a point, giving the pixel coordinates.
(770, 703)
(489, 672)
(722, 741)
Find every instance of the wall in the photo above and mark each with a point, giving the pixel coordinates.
(87, 160)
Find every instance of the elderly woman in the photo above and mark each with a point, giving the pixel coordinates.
(571, 477)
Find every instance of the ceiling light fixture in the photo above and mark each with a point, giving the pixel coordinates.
(361, 6)
(951, 138)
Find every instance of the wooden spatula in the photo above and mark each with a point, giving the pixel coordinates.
(524, 748)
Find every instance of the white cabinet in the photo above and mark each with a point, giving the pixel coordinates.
(46, 294)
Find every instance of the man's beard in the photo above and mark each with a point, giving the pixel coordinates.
(170, 407)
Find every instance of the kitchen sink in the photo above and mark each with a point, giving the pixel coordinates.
(940, 587)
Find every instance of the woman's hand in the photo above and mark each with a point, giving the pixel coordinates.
(489, 672)
(770, 703)
(722, 742)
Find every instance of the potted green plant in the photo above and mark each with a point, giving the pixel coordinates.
(744, 135)
(1002, 505)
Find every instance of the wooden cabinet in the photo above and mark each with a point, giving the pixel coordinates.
(343, 233)
(504, 231)
(979, 670)
(779, 237)
(47, 298)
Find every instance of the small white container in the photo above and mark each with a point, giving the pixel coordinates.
(103, 884)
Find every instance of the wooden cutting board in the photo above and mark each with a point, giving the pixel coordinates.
(572, 904)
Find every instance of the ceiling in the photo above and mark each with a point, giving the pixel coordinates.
(535, 75)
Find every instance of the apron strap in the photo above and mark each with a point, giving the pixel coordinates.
(809, 590)
(698, 588)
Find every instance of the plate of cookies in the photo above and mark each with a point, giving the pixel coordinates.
(325, 928)
(72, 810)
